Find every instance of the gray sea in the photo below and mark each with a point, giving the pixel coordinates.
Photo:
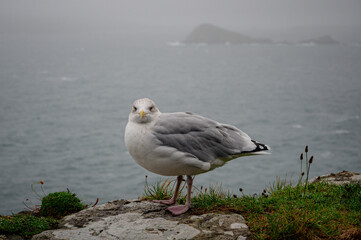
(64, 104)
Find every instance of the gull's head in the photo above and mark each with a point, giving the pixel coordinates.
(143, 111)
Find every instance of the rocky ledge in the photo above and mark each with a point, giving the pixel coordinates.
(134, 219)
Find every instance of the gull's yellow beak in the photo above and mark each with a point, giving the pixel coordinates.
(142, 114)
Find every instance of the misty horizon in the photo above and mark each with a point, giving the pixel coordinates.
(283, 20)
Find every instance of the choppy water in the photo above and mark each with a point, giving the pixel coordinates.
(64, 105)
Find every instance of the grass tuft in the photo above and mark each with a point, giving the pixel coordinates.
(163, 189)
(211, 198)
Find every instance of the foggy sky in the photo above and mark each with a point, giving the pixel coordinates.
(126, 15)
(189, 12)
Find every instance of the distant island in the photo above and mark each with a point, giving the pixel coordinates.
(210, 34)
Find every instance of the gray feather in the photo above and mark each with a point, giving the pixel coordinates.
(202, 137)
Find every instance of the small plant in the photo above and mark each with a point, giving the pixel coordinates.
(55, 204)
(308, 166)
(59, 204)
(34, 208)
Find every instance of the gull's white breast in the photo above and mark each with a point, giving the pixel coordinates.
(149, 153)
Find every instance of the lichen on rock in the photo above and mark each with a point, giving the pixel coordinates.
(123, 219)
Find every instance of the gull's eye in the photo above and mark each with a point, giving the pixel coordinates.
(151, 108)
(134, 108)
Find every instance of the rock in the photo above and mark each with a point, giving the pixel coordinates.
(339, 178)
(124, 219)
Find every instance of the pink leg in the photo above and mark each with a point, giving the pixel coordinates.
(173, 200)
(180, 209)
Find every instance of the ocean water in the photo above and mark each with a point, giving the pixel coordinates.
(64, 105)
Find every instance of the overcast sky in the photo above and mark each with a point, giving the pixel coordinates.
(258, 13)
(124, 15)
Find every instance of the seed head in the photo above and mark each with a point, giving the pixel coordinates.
(301, 156)
(41, 182)
(303, 173)
(306, 148)
(311, 160)
(240, 189)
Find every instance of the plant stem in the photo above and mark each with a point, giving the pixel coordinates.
(308, 171)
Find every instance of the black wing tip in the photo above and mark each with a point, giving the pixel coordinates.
(260, 146)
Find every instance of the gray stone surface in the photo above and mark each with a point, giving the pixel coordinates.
(339, 178)
(124, 219)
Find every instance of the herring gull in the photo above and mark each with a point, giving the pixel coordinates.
(182, 143)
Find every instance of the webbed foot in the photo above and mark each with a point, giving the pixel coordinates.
(178, 209)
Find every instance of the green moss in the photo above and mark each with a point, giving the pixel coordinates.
(25, 225)
(59, 204)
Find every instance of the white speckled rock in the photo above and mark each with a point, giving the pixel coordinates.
(238, 225)
(129, 226)
(145, 220)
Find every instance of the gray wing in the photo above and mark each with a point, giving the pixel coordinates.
(202, 137)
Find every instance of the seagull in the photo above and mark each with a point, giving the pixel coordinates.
(182, 143)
